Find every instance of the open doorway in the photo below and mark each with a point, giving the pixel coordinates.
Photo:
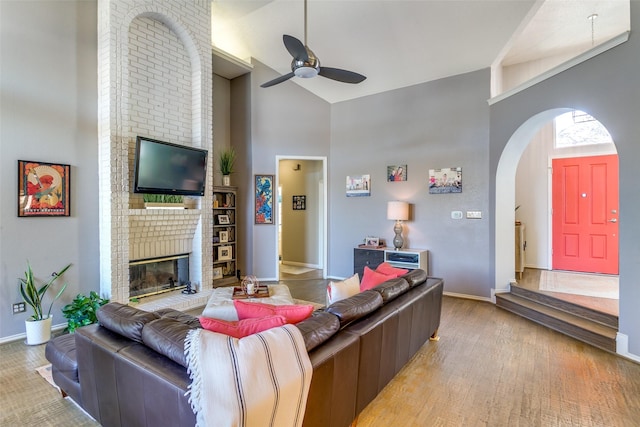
(531, 152)
(301, 217)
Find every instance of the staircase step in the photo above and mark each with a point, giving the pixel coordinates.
(594, 315)
(580, 328)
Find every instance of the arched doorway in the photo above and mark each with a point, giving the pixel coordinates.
(506, 199)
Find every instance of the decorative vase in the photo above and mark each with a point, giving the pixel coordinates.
(38, 331)
(226, 180)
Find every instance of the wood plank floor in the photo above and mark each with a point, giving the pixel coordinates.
(490, 368)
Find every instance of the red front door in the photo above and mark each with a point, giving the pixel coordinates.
(585, 214)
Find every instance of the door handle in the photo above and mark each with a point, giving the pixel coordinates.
(613, 220)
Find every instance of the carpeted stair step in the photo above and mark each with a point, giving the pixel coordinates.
(580, 328)
(606, 319)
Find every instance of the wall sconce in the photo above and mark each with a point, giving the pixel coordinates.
(398, 212)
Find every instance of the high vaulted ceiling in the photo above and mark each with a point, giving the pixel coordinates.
(398, 43)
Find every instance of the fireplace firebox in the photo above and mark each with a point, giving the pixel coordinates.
(157, 275)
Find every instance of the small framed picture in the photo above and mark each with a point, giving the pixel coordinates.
(223, 219)
(299, 203)
(44, 189)
(217, 273)
(372, 241)
(224, 236)
(396, 173)
(225, 253)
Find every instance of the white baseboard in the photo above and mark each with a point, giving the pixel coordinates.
(622, 347)
(465, 296)
(23, 336)
(301, 264)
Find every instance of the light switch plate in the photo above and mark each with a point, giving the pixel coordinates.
(474, 214)
(456, 214)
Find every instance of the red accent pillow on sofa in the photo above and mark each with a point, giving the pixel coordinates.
(242, 328)
(292, 313)
(388, 269)
(371, 279)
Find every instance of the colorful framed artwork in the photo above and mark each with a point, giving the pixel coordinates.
(299, 203)
(44, 189)
(445, 180)
(396, 173)
(359, 186)
(225, 253)
(224, 236)
(263, 199)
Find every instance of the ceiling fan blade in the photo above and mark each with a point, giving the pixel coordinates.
(280, 79)
(343, 76)
(295, 48)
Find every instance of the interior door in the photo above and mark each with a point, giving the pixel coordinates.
(585, 214)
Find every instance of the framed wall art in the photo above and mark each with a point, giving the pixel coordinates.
(396, 173)
(225, 253)
(359, 186)
(217, 273)
(263, 199)
(445, 180)
(44, 189)
(223, 219)
(224, 236)
(299, 203)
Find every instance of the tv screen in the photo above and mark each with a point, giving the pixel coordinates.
(165, 168)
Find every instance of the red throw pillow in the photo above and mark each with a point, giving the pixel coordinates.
(292, 313)
(242, 328)
(388, 269)
(371, 279)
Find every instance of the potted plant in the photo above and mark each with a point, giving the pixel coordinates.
(163, 201)
(38, 326)
(226, 160)
(82, 310)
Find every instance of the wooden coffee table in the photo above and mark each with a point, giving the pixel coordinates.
(220, 304)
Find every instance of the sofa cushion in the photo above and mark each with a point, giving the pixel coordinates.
(318, 328)
(166, 336)
(355, 307)
(389, 270)
(292, 313)
(242, 328)
(124, 320)
(371, 279)
(343, 289)
(61, 352)
(415, 277)
(392, 288)
(179, 316)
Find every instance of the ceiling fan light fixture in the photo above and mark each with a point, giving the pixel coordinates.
(305, 72)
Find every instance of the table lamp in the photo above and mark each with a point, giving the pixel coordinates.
(398, 212)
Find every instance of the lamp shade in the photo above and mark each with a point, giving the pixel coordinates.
(398, 211)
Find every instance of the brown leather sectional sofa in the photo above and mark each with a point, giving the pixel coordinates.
(129, 370)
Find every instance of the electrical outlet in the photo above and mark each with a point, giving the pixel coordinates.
(19, 307)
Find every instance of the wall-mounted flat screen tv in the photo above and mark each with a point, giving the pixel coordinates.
(166, 168)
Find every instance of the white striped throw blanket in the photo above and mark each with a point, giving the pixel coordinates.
(259, 380)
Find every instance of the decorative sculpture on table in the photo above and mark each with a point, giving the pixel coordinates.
(250, 284)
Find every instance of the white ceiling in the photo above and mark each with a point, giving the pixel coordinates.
(398, 43)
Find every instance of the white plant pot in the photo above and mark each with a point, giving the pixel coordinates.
(226, 180)
(38, 331)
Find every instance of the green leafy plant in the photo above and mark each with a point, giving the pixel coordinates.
(162, 198)
(226, 160)
(82, 310)
(34, 295)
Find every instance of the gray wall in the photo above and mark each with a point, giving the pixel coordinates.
(608, 88)
(48, 112)
(288, 121)
(434, 125)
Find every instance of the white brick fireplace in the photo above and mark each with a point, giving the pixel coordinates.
(155, 80)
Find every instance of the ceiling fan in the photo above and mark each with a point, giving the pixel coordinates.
(305, 63)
